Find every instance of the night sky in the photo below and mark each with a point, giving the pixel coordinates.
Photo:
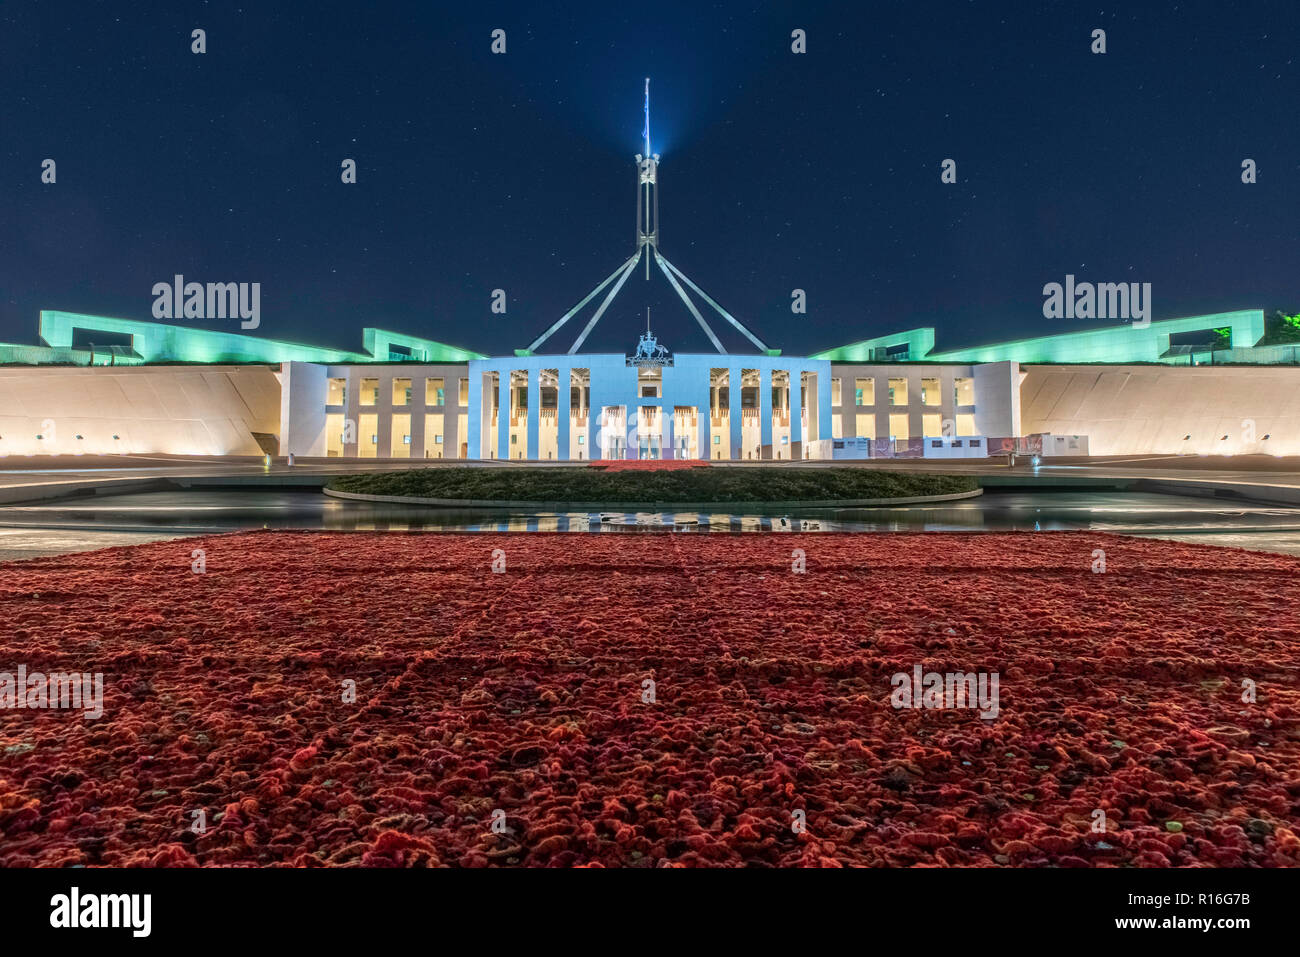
(477, 171)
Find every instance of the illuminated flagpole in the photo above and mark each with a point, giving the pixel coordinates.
(647, 116)
(647, 244)
(648, 235)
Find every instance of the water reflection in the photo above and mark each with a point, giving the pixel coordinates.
(201, 511)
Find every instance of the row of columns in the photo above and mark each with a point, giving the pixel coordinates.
(613, 384)
(563, 387)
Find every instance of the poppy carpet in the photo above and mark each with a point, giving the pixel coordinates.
(318, 699)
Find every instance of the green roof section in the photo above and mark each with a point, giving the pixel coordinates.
(159, 342)
(1235, 336)
(380, 344)
(911, 345)
(1112, 344)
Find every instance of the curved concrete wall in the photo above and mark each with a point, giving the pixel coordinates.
(1136, 409)
(184, 410)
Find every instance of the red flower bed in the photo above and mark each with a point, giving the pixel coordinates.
(521, 692)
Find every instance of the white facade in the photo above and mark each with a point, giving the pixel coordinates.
(1159, 409)
(178, 410)
(582, 407)
(728, 407)
(906, 401)
(390, 410)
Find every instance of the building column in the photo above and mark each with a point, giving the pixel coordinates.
(735, 389)
(849, 403)
(703, 416)
(480, 421)
(532, 433)
(503, 414)
(563, 387)
(419, 418)
(451, 437)
(475, 420)
(915, 409)
(765, 382)
(797, 406)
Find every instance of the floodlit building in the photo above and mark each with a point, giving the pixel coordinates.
(100, 385)
(1203, 384)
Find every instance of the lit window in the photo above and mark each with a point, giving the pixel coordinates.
(406, 440)
(437, 440)
(898, 426)
(582, 440)
(717, 440)
(930, 392)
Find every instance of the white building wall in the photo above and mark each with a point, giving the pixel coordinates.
(180, 410)
(1139, 409)
(315, 392)
(995, 410)
(302, 408)
(997, 399)
(614, 386)
(215, 410)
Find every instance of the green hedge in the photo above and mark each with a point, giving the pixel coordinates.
(584, 484)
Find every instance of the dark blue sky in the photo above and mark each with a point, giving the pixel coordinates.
(476, 171)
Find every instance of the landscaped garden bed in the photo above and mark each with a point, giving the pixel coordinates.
(594, 486)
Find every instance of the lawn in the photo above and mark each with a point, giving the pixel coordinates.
(588, 484)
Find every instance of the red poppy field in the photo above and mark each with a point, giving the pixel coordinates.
(770, 741)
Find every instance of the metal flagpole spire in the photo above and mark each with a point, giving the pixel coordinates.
(690, 306)
(626, 271)
(673, 270)
(585, 299)
(647, 116)
(647, 244)
(646, 233)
